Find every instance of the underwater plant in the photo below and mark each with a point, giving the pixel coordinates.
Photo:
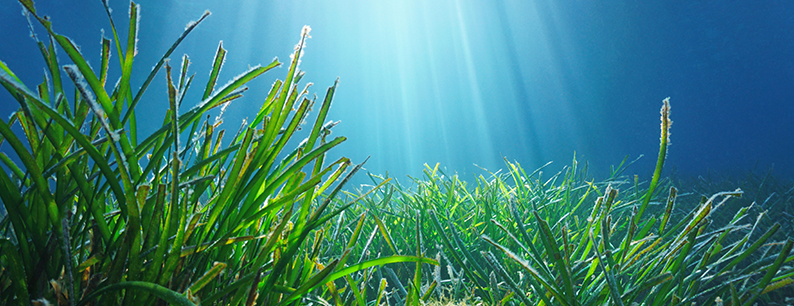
(517, 238)
(97, 214)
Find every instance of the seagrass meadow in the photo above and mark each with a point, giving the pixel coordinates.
(97, 214)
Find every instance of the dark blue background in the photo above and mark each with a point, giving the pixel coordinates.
(468, 82)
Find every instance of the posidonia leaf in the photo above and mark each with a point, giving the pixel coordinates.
(16, 172)
(429, 291)
(217, 268)
(220, 57)
(381, 290)
(126, 60)
(379, 262)
(354, 288)
(357, 232)
(668, 208)
(103, 66)
(28, 4)
(385, 233)
(343, 163)
(657, 173)
(190, 250)
(7, 77)
(268, 105)
(54, 69)
(778, 284)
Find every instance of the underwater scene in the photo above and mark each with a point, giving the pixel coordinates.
(396, 153)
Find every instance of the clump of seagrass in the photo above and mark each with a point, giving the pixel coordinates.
(569, 240)
(97, 215)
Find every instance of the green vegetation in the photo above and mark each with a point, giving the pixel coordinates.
(97, 215)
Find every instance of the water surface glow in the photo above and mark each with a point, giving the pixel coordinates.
(469, 82)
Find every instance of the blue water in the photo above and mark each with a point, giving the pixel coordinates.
(470, 82)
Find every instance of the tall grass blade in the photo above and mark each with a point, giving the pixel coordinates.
(657, 173)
